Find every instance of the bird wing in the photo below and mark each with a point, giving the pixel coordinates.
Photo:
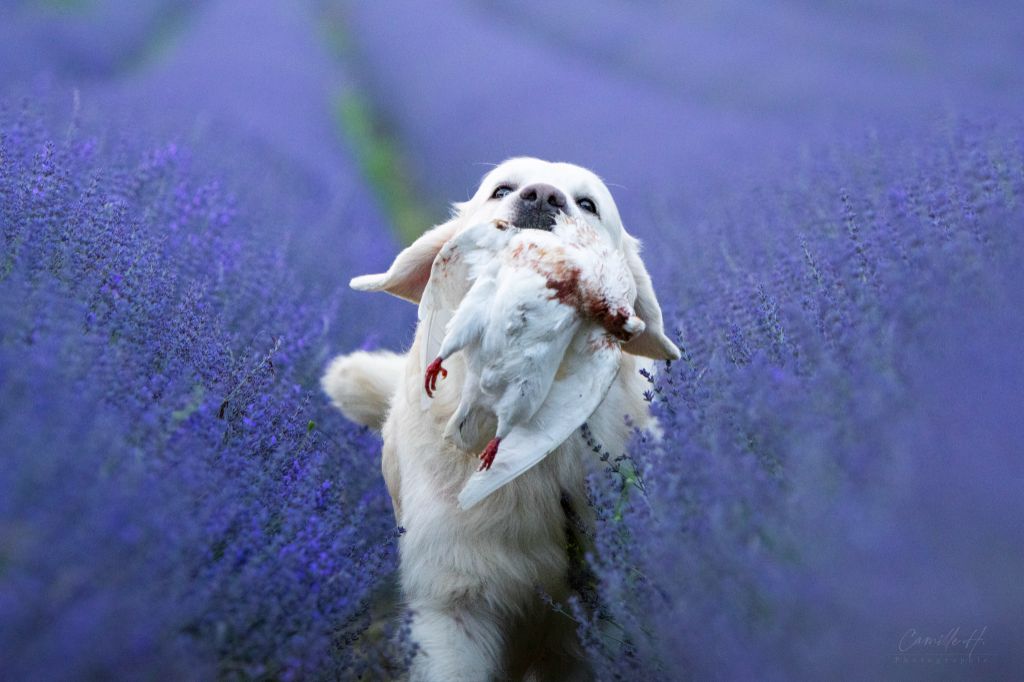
(451, 276)
(587, 372)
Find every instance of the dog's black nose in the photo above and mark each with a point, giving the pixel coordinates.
(551, 198)
(538, 205)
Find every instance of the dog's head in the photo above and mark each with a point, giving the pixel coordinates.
(529, 193)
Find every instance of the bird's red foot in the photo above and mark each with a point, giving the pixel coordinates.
(487, 456)
(430, 382)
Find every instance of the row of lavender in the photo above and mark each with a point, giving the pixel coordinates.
(669, 102)
(175, 498)
(839, 471)
(178, 501)
(837, 443)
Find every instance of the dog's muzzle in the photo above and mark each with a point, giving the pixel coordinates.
(536, 207)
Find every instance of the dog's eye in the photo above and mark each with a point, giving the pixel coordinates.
(501, 191)
(587, 205)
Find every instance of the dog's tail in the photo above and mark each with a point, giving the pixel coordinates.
(361, 384)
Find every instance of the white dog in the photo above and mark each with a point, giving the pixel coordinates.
(471, 578)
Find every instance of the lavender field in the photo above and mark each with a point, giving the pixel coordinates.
(831, 200)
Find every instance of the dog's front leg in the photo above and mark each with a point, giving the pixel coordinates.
(455, 644)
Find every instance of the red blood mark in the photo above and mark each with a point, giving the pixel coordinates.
(615, 323)
(564, 281)
(613, 319)
(534, 253)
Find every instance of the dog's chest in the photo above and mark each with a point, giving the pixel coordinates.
(511, 542)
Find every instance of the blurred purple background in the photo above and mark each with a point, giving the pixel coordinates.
(665, 100)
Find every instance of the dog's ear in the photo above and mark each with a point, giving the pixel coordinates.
(408, 275)
(652, 342)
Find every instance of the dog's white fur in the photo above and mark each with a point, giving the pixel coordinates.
(471, 578)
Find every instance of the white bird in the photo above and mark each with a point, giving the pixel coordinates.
(541, 316)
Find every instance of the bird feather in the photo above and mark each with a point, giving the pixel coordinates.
(585, 377)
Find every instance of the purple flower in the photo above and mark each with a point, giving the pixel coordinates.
(838, 460)
(176, 499)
